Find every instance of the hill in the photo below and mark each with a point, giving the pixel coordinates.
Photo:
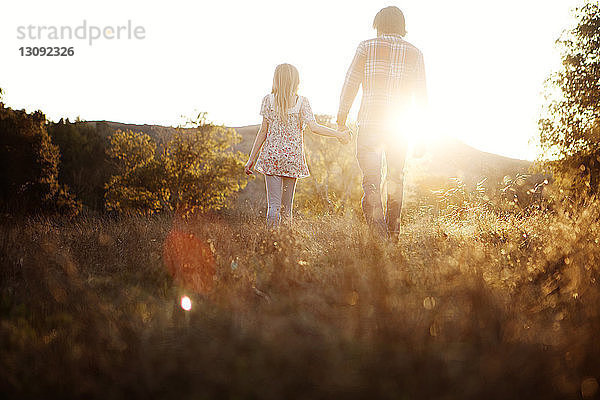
(449, 157)
(445, 159)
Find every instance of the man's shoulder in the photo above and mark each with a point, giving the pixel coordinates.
(411, 46)
(369, 42)
(399, 40)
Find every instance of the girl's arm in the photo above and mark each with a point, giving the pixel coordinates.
(325, 131)
(261, 136)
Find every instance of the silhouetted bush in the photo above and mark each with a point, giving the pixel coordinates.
(84, 166)
(29, 166)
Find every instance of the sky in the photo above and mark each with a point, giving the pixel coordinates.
(486, 61)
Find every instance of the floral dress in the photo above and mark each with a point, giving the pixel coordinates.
(282, 153)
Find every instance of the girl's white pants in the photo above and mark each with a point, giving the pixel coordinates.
(280, 198)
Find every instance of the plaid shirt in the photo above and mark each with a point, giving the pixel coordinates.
(392, 74)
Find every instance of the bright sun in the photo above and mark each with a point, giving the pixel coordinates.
(417, 127)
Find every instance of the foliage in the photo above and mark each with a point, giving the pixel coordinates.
(203, 171)
(29, 163)
(457, 200)
(334, 184)
(196, 170)
(570, 126)
(522, 191)
(131, 149)
(84, 166)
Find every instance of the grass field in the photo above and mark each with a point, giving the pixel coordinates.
(489, 307)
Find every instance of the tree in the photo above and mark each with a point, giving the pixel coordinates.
(202, 171)
(29, 164)
(84, 166)
(570, 123)
(196, 170)
(137, 186)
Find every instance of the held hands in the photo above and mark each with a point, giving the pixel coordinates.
(345, 134)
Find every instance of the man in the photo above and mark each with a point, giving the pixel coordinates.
(392, 74)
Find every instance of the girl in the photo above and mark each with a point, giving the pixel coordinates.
(278, 150)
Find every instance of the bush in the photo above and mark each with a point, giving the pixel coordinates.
(29, 164)
(84, 166)
(196, 171)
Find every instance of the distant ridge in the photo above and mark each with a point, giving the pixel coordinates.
(159, 133)
(447, 158)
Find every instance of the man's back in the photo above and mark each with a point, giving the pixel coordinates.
(392, 74)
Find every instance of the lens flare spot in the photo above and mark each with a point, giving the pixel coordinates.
(190, 261)
(589, 387)
(186, 303)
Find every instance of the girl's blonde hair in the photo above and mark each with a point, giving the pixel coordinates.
(285, 84)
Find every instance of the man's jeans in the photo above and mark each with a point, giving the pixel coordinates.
(371, 145)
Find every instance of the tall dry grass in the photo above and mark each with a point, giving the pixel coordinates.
(483, 307)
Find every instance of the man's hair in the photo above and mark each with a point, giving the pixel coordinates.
(390, 20)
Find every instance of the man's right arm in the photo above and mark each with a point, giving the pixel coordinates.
(353, 80)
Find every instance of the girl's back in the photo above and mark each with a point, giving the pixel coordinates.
(278, 150)
(283, 151)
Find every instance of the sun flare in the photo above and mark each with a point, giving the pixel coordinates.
(416, 127)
